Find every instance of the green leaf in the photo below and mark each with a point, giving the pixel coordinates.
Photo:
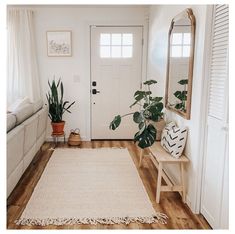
(184, 95)
(156, 111)
(115, 123)
(147, 114)
(178, 94)
(145, 105)
(178, 106)
(141, 125)
(58, 83)
(137, 117)
(183, 82)
(61, 92)
(150, 82)
(147, 137)
(156, 99)
(139, 95)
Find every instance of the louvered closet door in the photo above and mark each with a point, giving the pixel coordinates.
(215, 185)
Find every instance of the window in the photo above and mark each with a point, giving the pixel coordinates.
(180, 44)
(116, 45)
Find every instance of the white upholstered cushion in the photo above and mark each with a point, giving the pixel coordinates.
(37, 105)
(18, 104)
(23, 113)
(11, 121)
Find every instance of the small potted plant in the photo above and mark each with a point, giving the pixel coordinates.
(150, 112)
(57, 106)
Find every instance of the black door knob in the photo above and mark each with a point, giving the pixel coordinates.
(94, 91)
(93, 83)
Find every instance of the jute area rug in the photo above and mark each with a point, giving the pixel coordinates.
(89, 186)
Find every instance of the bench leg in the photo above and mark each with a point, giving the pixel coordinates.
(141, 157)
(183, 182)
(159, 182)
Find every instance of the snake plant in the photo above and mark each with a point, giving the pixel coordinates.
(150, 110)
(56, 104)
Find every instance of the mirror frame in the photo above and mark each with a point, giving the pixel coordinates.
(189, 14)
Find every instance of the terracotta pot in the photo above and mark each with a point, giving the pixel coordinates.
(58, 128)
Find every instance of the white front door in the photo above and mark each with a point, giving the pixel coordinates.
(116, 68)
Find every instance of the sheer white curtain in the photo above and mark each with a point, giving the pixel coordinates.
(22, 68)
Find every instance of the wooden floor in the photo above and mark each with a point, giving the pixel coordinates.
(180, 216)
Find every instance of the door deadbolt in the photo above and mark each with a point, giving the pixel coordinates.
(94, 91)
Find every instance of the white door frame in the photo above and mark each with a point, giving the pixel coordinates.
(204, 108)
(144, 53)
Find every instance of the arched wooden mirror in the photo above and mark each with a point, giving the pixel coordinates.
(180, 63)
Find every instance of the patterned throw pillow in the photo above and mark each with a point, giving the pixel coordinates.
(173, 139)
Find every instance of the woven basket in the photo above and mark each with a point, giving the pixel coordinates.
(74, 137)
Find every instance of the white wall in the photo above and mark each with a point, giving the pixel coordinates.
(160, 19)
(77, 19)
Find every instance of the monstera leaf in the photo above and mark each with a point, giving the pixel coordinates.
(150, 82)
(139, 95)
(138, 117)
(183, 82)
(146, 137)
(115, 123)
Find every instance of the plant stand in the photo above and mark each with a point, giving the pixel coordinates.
(55, 138)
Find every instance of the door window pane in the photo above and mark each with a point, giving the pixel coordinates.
(186, 51)
(127, 39)
(187, 38)
(127, 51)
(116, 39)
(116, 45)
(104, 39)
(176, 51)
(116, 51)
(176, 38)
(105, 51)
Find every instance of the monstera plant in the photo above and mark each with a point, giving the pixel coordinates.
(150, 111)
(182, 96)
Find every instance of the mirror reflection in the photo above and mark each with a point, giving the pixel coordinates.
(180, 62)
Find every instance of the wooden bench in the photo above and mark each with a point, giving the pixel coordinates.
(160, 157)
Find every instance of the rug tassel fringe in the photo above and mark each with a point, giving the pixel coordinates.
(157, 218)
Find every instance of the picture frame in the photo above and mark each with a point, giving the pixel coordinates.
(59, 43)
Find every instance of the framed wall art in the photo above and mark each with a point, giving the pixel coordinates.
(59, 43)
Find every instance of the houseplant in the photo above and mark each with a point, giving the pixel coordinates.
(57, 106)
(150, 111)
(182, 96)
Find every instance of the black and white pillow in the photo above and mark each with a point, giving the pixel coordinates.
(173, 139)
